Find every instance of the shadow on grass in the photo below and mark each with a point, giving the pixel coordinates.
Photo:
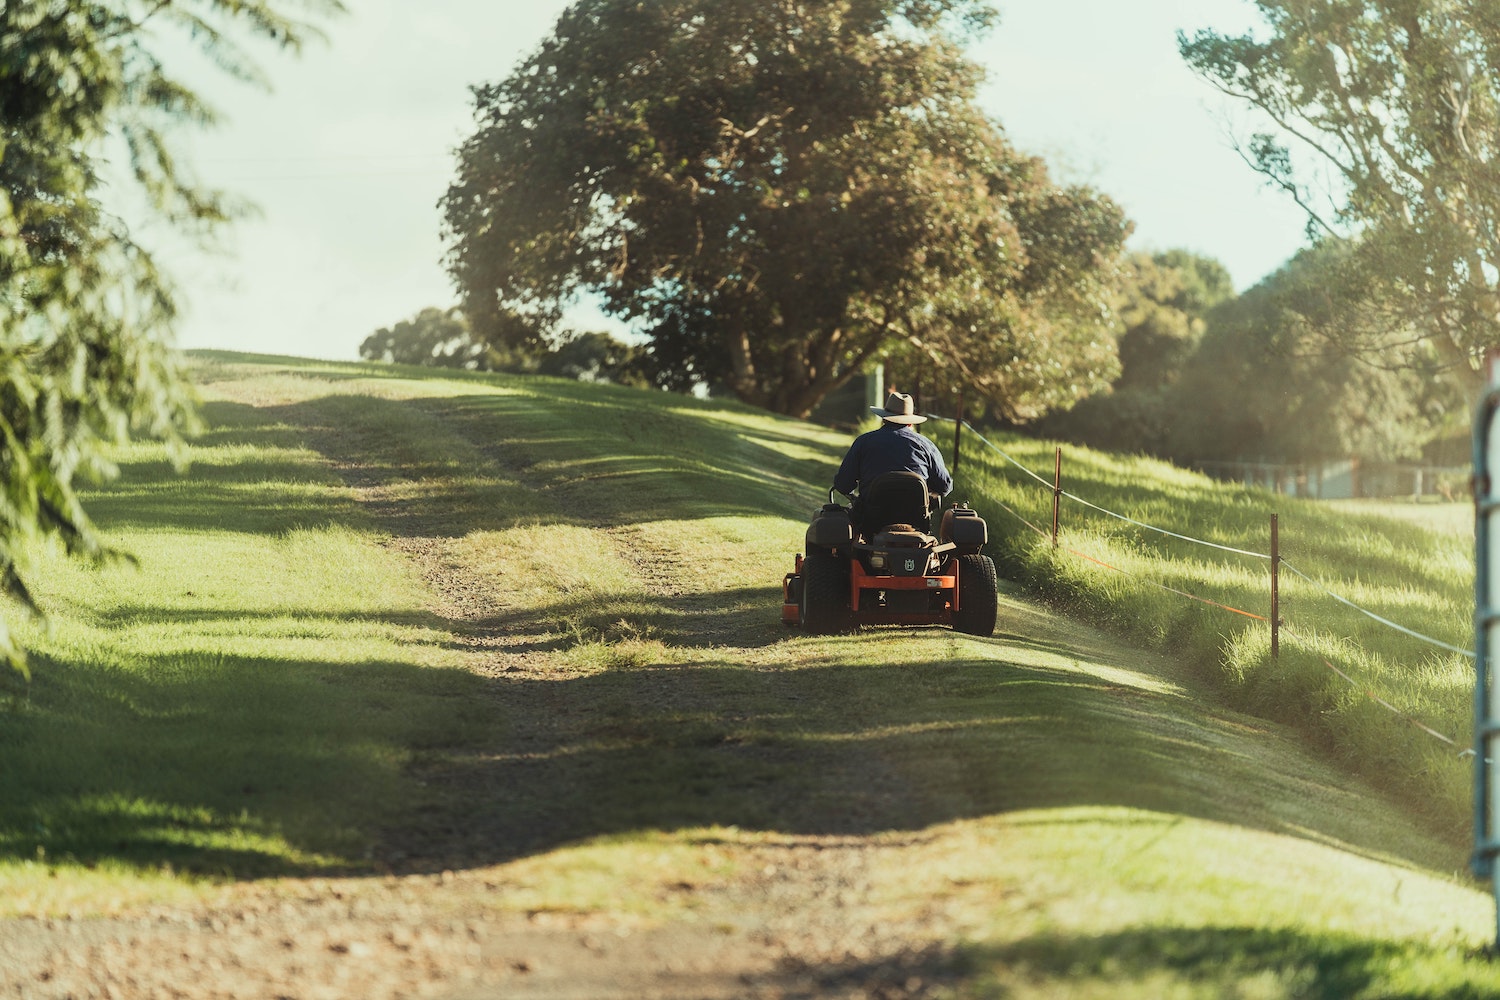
(834, 747)
(248, 474)
(623, 464)
(249, 767)
(1223, 961)
(1168, 961)
(746, 616)
(228, 766)
(121, 615)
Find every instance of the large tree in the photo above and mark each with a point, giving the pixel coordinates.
(1164, 298)
(84, 313)
(1383, 121)
(776, 193)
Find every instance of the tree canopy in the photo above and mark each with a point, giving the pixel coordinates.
(1266, 383)
(435, 337)
(1163, 303)
(776, 194)
(1384, 123)
(442, 338)
(84, 313)
(1164, 299)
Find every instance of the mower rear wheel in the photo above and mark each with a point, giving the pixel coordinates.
(978, 596)
(825, 593)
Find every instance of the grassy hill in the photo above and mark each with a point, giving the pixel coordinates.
(1393, 707)
(509, 649)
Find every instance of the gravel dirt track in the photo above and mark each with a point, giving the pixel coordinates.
(798, 928)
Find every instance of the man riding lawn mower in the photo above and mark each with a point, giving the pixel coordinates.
(876, 562)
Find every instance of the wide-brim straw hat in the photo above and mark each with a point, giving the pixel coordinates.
(898, 409)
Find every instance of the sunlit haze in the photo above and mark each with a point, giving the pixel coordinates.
(347, 158)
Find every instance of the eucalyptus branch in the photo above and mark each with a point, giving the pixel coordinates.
(1286, 185)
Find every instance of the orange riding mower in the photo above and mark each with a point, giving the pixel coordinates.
(879, 565)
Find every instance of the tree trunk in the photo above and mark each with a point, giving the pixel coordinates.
(743, 377)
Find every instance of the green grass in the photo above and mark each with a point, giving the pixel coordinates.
(250, 696)
(244, 698)
(1411, 564)
(277, 691)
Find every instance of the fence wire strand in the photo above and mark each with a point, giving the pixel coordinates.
(1377, 699)
(996, 449)
(1103, 510)
(1384, 621)
(1164, 531)
(1013, 513)
(1368, 692)
(1106, 510)
(1163, 586)
(1214, 545)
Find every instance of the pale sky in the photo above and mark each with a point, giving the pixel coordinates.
(349, 155)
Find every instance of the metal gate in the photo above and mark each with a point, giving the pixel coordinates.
(1486, 632)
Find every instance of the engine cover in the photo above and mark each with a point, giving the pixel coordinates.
(830, 527)
(964, 528)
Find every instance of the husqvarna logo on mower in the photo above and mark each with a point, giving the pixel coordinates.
(911, 565)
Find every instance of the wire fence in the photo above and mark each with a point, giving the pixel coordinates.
(1273, 558)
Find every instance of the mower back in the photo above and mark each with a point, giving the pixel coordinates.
(894, 573)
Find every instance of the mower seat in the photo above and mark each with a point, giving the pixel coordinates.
(895, 498)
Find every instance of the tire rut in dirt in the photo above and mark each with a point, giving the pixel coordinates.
(497, 801)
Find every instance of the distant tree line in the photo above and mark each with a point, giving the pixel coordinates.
(1381, 119)
(1209, 376)
(442, 338)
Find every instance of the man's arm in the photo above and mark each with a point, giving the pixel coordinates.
(938, 481)
(848, 475)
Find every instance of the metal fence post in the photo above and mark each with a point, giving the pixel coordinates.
(1056, 493)
(958, 426)
(1275, 588)
(1487, 633)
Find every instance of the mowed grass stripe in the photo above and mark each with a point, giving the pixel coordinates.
(241, 702)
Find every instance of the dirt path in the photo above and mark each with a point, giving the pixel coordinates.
(801, 925)
(418, 936)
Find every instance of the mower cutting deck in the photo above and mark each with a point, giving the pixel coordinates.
(897, 573)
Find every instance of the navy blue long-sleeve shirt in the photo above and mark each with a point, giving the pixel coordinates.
(892, 448)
